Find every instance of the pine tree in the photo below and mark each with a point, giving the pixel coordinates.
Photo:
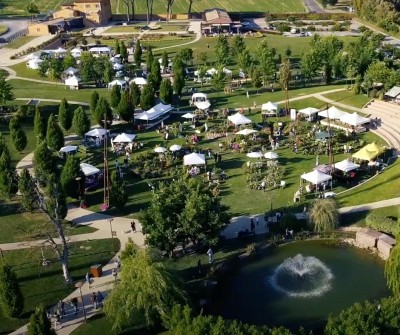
(27, 188)
(39, 124)
(80, 122)
(11, 298)
(117, 47)
(154, 78)
(54, 135)
(135, 94)
(103, 110)
(65, 115)
(8, 176)
(147, 97)
(94, 98)
(137, 55)
(256, 79)
(149, 60)
(43, 161)
(164, 59)
(19, 140)
(14, 124)
(39, 323)
(166, 91)
(124, 52)
(126, 109)
(68, 176)
(115, 96)
(118, 194)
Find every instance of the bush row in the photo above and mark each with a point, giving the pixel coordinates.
(382, 223)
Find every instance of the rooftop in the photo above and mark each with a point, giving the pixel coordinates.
(217, 14)
(393, 92)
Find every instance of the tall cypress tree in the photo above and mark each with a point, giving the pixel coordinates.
(39, 323)
(8, 176)
(69, 173)
(103, 109)
(43, 161)
(118, 195)
(27, 188)
(39, 124)
(137, 55)
(65, 115)
(19, 140)
(54, 135)
(80, 122)
(166, 91)
(147, 97)
(135, 94)
(125, 109)
(115, 96)
(11, 298)
(94, 98)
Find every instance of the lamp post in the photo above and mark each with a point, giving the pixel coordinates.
(78, 179)
(112, 234)
(79, 286)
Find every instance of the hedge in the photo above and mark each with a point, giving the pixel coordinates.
(382, 223)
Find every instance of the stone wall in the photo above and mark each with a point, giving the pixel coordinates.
(373, 240)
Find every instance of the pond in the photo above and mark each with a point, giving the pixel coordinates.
(301, 284)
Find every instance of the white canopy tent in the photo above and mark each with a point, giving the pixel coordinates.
(155, 112)
(239, 119)
(255, 154)
(73, 82)
(246, 132)
(188, 116)
(332, 113)
(196, 97)
(71, 71)
(124, 138)
(140, 81)
(160, 150)
(211, 72)
(121, 83)
(227, 71)
(76, 52)
(60, 51)
(316, 177)
(69, 148)
(354, 119)
(194, 159)
(269, 107)
(34, 55)
(118, 66)
(89, 170)
(175, 147)
(34, 63)
(100, 51)
(96, 132)
(346, 165)
(271, 155)
(203, 105)
(115, 59)
(309, 111)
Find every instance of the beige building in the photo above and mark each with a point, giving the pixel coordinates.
(94, 12)
(55, 26)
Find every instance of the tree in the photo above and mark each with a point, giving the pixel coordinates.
(124, 52)
(392, 269)
(256, 78)
(238, 45)
(186, 55)
(39, 124)
(266, 61)
(309, 64)
(65, 115)
(94, 98)
(69, 173)
(87, 69)
(117, 47)
(43, 161)
(54, 135)
(169, 4)
(135, 94)
(32, 9)
(284, 80)
(26, 186)
(154, 78)
(218, 80)
(137, 55)
(14, 124)
(115, 97)
(118, 194)
(125, 108)
(39, 323)
(56, 68)
(149, 10)
(166, 91)
(164, 60)
(11, 298)
(19, 140)
(180, 211)
(324, 215)
(244, 60)
(6, 93)
(222, 51)
(146, 293)
(69, 61)
(8, 176)
(103, 111)
(80, 122)
(149, 59)
(378, 73)
(288, 51)
(147, 97)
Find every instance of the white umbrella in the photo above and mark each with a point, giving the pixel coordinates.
(203, 105)
(188, 116)
(246, 131)
(254, 155)
(175, 147)
(69, 148)
(271, 155)
(160, 150)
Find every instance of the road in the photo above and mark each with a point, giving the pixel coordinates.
(14, 26)
(313, 6)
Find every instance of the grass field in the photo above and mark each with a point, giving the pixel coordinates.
(3, 29)
(136, 28)
(273, 6)
(349, 98)
(358, 218)
(17, 7)
(20, 41)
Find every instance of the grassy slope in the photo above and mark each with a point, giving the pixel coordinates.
(17, 7)
(20, 41)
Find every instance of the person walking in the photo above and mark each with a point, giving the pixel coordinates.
(133, 226)
(61, 307)
(210, 256)
(57, 320)
(87, 278)
(93, 300)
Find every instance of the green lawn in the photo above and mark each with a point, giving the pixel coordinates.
(20, 41)
(23, 71)
(273, 6)
(349, 98)
(46, 285)
(358, 219)
(17, 7)
(3, 29)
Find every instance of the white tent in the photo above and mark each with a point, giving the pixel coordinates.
(199, 97)
(71, 71)
(239, 119)
(34, 55)
(269, 106)
(211, 71)
(203, 105)
(227, 71)
(255, 154)
(96, 132)
(73, 82)
(316, 177)
(89, 170)
(115, 59)
(69, 148)
(160, 150)
(118, 66)
(271, 155)
(34, 63)
(354, 119)
(194, 159)
(124, 138)
(121, 83)
(76, 52)
(100, 50)
(346, 165)
(332, 113)
(140, 81)
(154, 112)
(175, 147)
(309, 111)
(188, 116)
(60, 51)
(246, 131)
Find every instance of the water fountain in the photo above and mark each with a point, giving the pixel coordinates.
(301, 276)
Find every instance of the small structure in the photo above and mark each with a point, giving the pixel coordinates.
(124, 138)
(70, 72)
(69, 149)
(269, 108)
(239, 119)
(194, 159)
(100, 51)
(332, 113)
(316, 177)
(97, 133)
(309, 112)
(346, 165)
(118, 66)
(354, 119)
(393, 95)
(121, 83)
(53, 27)
(154, 113)
(76, 52)
(34, 63)
(369, 152)
(89, 170)
(217, 20)
(140, 81)
(73, 82)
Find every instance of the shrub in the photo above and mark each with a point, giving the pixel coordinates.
(356, 89)
(252, 248)
(373, 93)
(11, 299)
(382, 223)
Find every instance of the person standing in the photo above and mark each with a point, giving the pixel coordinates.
(93, 300)
(219, 158)
(57, 320)
(99, 299)
(61, 306)
(210, 256)
(133, 226)
(87, 277)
